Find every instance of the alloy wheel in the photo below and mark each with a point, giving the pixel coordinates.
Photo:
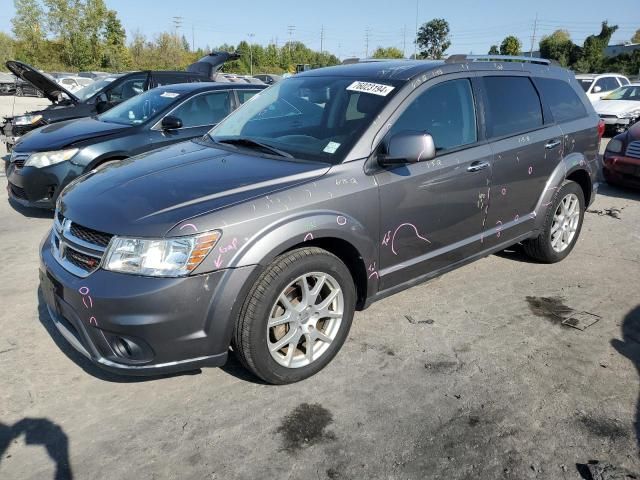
(565, 222)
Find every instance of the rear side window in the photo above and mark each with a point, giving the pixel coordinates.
(513, 105)
(564, 103)
(244, 95)
(623, 80)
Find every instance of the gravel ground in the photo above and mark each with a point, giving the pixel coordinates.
(469, 376)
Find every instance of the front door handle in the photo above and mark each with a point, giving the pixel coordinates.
(552, 144)
(477, 166)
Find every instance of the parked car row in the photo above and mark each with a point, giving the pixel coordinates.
(318, 196)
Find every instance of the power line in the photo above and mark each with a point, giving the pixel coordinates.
(533, 37)
(290, 29)
(321, 39)
(177, 23)
(366, 41)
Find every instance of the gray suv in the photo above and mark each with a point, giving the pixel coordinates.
(324, 193)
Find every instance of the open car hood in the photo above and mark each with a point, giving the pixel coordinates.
(210, 64)
(46, 85)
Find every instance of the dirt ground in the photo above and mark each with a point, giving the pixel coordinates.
(472, 375)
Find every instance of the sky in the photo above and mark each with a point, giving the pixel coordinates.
(475, 25)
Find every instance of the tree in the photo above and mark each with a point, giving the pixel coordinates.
(116, 56)
(433, 38)
(7, 49)
(29, 28)
(390, 52)
(494, 50)
(636, 37)
(591, 57)
(557, 46)
(510, 46)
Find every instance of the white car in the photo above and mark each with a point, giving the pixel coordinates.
(74, 83)
(597, 86)
(621, 108)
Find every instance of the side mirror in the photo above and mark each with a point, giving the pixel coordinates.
(409, 147)
(102, 103)
(597, 89)
(171, 123)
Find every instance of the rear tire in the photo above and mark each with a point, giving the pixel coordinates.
(562, 225)
(296, 317)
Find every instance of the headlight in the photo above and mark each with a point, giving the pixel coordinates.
(614, 146)
(631, 114)
(44, 159)
(27, 119)
(172, 257)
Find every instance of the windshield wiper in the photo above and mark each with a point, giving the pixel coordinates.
(250, 143)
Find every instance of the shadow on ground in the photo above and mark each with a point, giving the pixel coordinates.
(40, 431)
(629, 347)
(614, 191)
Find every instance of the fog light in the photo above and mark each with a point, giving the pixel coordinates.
(126, 348)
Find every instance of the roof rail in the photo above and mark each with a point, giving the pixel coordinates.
(497, 58)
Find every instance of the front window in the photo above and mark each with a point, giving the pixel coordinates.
(311, 118)
(631, 92)
(140, 108)
(93, 88)
(585, 83)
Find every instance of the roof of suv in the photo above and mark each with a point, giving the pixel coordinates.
(595, 75)
(195, 86)
(405, 70)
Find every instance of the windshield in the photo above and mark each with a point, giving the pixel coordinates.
(93, 88)
(632, 92)
(585, 83)
(140, 108)
(311, 118)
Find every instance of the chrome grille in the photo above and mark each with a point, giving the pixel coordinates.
(633, 149)
(78, 249)
(18, 159)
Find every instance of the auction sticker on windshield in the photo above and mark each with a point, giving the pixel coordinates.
(368, 87)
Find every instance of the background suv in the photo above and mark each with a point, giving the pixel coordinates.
(328, 191)
(598, 85)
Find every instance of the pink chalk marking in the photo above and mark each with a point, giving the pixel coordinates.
(232, 246)
(372, 267)
(415, 229)
(517, 217)
(503, 191)
(195, 229)
(218, 261)
(374, 274)
(85, 303)
(341, 220)
(530, 170)
(93, 321)
(308, 236)
(386, 238)
(499, 225)
(83, 290)
(90, 301)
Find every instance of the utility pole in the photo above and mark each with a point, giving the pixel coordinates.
(404, 40)
(415, 41)
(321, 39)
(533, 37)
(193, 36)
(177, 23)
(291, 29)
(366, 42)
(251, 35)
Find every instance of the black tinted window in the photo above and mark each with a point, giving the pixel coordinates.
(563, 101)
(514, 105)
(244, 95)
(446, 111)
(623, 80)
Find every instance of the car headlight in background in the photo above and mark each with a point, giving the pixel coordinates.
(44, 159)
(27, 119)
(614, 146)
(171, 257)
(631, 114)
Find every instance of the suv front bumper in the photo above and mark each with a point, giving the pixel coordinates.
(136, 325)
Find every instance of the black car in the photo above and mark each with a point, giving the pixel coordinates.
(45, 160)
(98, 97)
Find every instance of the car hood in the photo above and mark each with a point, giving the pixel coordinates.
(62, 134)
(49, 87)
(147, 195)
(615, 107)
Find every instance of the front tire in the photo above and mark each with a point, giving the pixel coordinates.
(561, 227)
(296, 317)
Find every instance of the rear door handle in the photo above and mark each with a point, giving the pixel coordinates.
(477, 166)
(552, 144)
